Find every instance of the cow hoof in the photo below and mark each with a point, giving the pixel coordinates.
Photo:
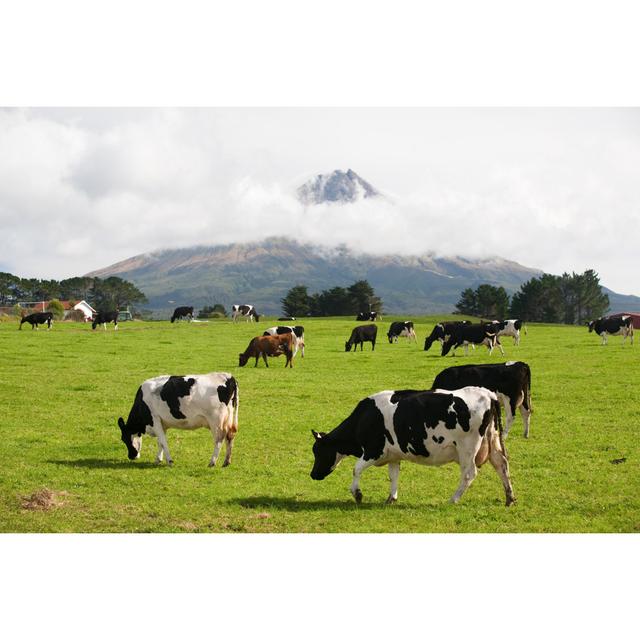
(226, 463)
(391, 500)
(169, 463)
(158, 461)
(212, 464)
(358, 496)
(510, 501)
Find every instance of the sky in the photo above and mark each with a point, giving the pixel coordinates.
(551, 188)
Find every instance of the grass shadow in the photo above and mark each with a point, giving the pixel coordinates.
(98, 463)
(294, 505)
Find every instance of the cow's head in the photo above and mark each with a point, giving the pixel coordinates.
(591, 325)
(326, 456)
(244, 358)
(347, 346)
(446, 345)
(133, 441)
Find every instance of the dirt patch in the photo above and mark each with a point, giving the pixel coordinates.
(43, 500)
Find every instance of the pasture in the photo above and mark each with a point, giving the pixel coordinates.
(61, 393)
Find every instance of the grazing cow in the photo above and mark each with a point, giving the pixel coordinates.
(441, 331)
(298, 334)
(509, 328)
(246, 310)
(34, 319)
(183, 402)
(511, 382)
(620, 326)
(425, 427)
(272, 346)
(368, 315)
(471, 334)
(401, 330)
(360, 335)
(103, 317)
(182, 312)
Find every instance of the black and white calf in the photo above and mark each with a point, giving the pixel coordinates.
(360, 335)
(511, 382)
(298, 334)
(182, 312)
(620, 326)
(441, 331)
(509, 328)
(464, 335)
(368, 315)
(34, 319)
(246, 310)
(401, 330)
(425, 427)
(103, 317)
(183, 402)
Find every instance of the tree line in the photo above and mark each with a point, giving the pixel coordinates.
(101, 294)
(338, 301)
(567, 299)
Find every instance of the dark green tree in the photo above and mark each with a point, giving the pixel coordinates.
(114, 292)
(468, 303)
(364, 297)
(297, 302)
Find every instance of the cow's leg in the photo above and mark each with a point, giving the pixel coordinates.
(264, 357)
(361, 465)
(162, 442)
(394, 473)
(467, 453)
(160, 454)
(500, 463)
(526, 418)
(509, 415)
(500, 347)
(466, 349)
(230, 438)
(218, 439)
(116, 327)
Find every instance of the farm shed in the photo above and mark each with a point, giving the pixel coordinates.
(634, 316)
(83, 306)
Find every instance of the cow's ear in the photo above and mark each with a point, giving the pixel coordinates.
(121, 423)
(316, 435)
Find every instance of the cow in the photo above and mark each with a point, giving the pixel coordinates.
(471, 334)
(360, 335)
(182, 312)
(183, 402)
(401, 330)
(426, 427)
(272, 346)
(246, 310)
(620, 326)
(298, 334)
(103, 317)
(510, 381)
(509, 328)
(441, 331)
(368, 315)
(34, 319)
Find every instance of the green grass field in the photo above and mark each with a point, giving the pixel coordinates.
(61, 393)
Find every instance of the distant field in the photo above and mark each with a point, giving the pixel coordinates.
(61, 393)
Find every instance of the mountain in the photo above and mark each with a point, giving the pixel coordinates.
(338, 186)
(261, 273)
(619, 302)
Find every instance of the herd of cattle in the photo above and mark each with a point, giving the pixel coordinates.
(457, 420)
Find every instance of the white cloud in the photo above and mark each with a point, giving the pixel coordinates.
(553, 189)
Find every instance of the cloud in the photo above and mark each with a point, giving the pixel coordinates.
(81, 189)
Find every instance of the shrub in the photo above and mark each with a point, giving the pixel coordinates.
(75, 315)
(57, 308)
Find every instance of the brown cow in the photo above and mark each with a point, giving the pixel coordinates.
(271, 346)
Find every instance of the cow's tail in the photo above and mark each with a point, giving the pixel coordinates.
(527, 390)
(232, 405)
(496, 410)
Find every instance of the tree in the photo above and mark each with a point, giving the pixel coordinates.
(114, 292)
(57, 308)
(296, 302)
(468, 303)
(486, 301)
(364, 297)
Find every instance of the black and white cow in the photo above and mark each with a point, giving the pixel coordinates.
(425, 427)
(511, 382)
(34, 319)
(104, 317)
(464, 335)
(620, 326)
(360, 335)
(401, 330)
(182, 312)
(183, 402)
(248, 311)
(297, 331)
(441, 331)
(509, 328)
(368, 315)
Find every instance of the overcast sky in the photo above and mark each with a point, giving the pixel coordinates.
(556, 189)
